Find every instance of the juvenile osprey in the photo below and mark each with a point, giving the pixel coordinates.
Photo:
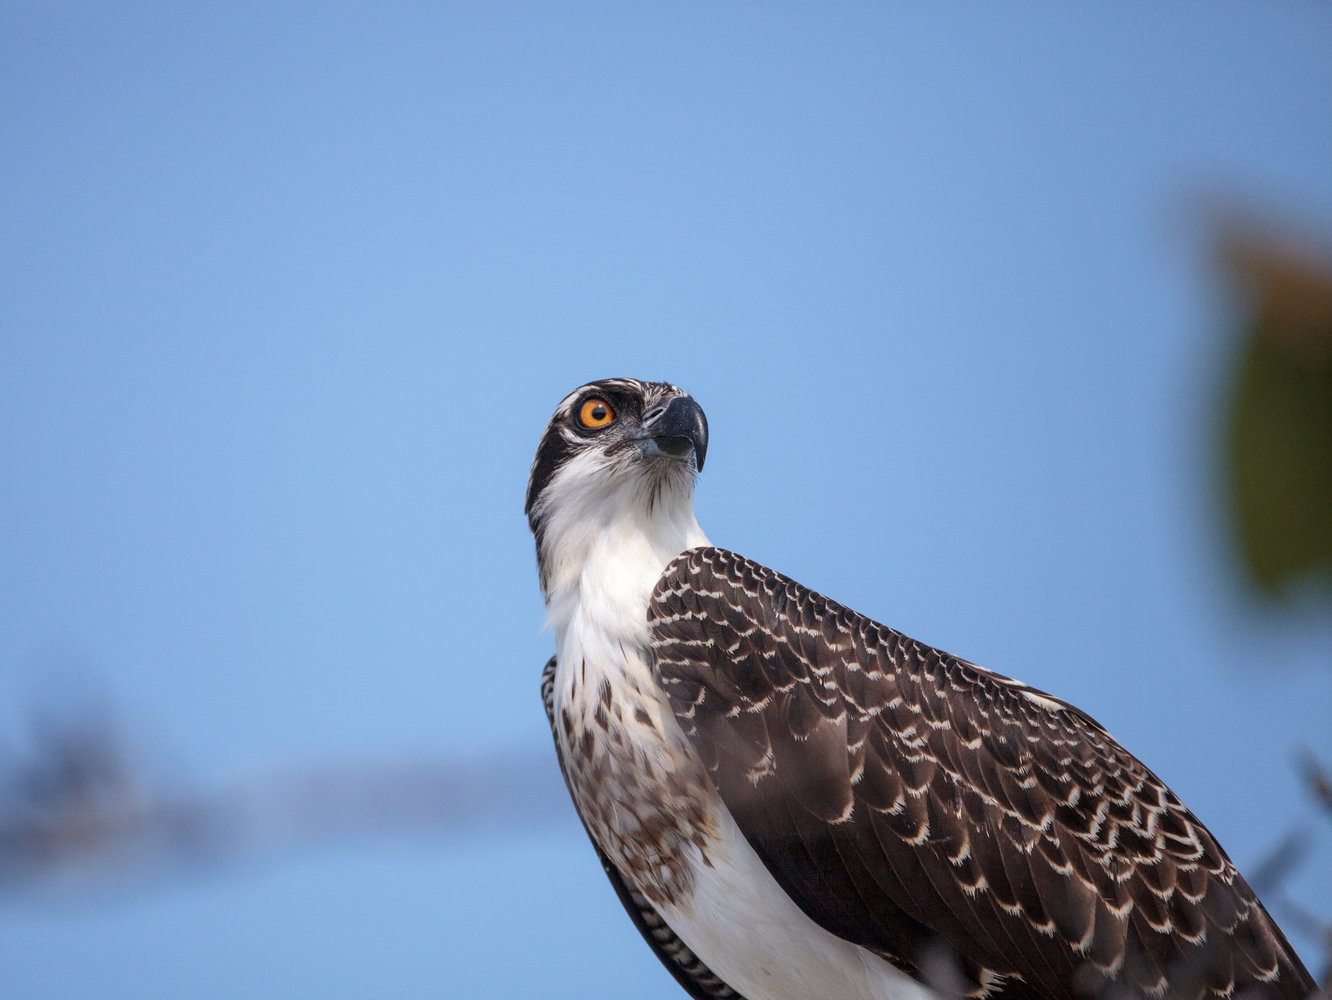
(794, 802)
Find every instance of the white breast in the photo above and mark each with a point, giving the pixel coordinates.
(750, 933)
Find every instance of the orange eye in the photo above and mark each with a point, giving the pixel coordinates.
(595, 413)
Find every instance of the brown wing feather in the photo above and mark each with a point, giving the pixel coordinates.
(700, 982)
(952, 820)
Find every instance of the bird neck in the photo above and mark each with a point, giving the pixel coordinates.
(602, 556)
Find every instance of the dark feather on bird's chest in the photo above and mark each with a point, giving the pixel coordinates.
(639, 786)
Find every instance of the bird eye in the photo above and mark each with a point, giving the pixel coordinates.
(595, 413)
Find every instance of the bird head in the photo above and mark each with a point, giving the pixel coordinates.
(617, 451)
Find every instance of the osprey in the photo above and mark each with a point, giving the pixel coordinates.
(794, 802)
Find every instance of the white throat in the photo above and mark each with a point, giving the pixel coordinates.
(605, 543)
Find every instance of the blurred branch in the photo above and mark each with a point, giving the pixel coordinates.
(1317, 779)
(1272, 877)
(76, 806)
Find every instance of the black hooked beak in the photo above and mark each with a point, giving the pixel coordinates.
(678, 428)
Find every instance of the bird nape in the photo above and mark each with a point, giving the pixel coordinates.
(793, 801)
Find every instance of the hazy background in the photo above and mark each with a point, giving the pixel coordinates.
(287, 295)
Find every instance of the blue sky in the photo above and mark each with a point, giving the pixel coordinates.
(287, 296)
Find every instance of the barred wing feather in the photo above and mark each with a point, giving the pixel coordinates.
(980, 834)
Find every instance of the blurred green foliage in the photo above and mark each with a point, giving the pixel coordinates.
(1278, 434)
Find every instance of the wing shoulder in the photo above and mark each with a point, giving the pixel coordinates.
(908, 799)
